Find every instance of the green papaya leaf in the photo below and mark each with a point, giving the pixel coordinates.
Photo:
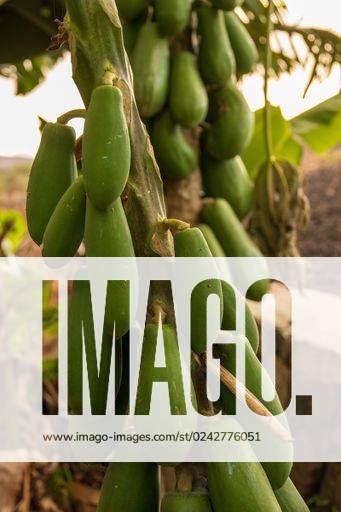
(320, 127)
(292, 151)
(322, 114)
(255, 155)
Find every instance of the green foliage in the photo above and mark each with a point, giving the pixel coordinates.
(323, 45)
(12, 231)
(320, 127)
(29, 73)
(59, 484)
(50, 369)
(254, 155)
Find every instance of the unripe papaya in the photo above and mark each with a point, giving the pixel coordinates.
(195, 501)
(240, 487)
(107, 234)
(106, 147)
(81, 330)
(226, 5)
(150, 63)
(65, 230)
(53, 171)
(229, 180)
(290, 499)
(130, 486)
(175, 156)
(216, 59)
(230, 232)
(229, 295)
(253, 375)
(255, 378)
(233, 238)
(150, 374)
(233, 123)
(131, 9)
(172, 16)
(212, 241)
(191, 243)
(243, 45)
(229, 317)
(186, 83)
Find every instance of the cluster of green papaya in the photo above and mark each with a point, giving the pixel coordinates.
(186, 60)
(231, 487)
(66, 207)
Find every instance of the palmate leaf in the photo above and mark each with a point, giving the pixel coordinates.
(324, 46)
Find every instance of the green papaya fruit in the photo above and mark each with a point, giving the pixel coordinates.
(226, 5)
(150, 63)
(212, 241)
(81, 329)
(229, 295)
(150, 374)
(176, 157)
(191, 243)
(290, 499)
(172, 16)
(130, 486)
(233, 238)
(243, 45)
(130, 33)
(118, 365)
(65, 230)
(229, 180)
(240, 487)
(186, 83)
(53, 171)
(229, 317)
(253, 376)
(216, 59)
(106, 147)
(277, 472)
(107, 234)
(233, 123)
(230, 232)
(195, 501)
(131, 9)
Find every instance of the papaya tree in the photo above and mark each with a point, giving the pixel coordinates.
(164, 111)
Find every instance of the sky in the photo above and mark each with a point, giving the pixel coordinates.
(19, 133)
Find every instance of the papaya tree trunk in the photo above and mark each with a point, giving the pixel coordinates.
(96, 44)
